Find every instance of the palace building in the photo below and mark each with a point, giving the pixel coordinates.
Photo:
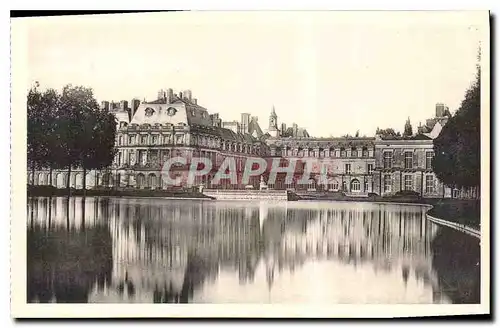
(176, 125)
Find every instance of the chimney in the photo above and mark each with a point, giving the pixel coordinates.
(123, 104)
(180, 95)
(195, 101)
(255, 118)
(187, 94)
(439, 110)
(170, 95)
(105, 105)
(161, 94)
(134, 104)
(283, 128)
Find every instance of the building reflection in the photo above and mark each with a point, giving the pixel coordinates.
(167, 251)
(68, 250)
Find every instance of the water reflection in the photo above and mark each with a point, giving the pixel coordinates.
(163, 251)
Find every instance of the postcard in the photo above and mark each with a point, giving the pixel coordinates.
(251, 164)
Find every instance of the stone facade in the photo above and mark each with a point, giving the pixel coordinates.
(405, 164)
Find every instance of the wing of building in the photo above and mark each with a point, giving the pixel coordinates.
(152, 133)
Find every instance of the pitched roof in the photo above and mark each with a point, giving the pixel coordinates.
(226, 134)
(254, 126)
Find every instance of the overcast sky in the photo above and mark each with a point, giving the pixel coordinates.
(333, 73)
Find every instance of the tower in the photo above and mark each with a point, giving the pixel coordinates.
(245, 122)
(273, 124)
(408, 131)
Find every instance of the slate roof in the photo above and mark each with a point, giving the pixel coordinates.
(223, 133)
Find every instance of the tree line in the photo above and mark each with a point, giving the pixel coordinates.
(68, 130)
(457, 148)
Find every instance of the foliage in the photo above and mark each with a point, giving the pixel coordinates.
(69, 130)
(408, 129)
(41, 141)
(387, 133)
(457, 148)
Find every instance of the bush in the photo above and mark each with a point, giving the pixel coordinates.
(407, 193)
(372, 194)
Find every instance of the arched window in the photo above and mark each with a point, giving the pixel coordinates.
(152, 183)
(140, 180)
(355, 185)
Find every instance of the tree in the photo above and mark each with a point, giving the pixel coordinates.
(408, 131)
(357, 134)
(388, 133)
(99, 147)
(69, 130)
(457, 148)
(91, 139)
(41, 112)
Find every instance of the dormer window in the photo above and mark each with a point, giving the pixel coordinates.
(149, 112)
(171, 111)
(193, 112)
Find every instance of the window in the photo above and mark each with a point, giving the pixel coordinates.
(120, 140)
(365, 153)
(366, 185)
(429, 184)
(131, 140)
(144, 139)
(335, 153)
(154, 140)
(348, 169)
(344, 186)
(355, 185)
(334, 185)
(119, 158)
(408, 159)
(354, 153)
(370, 168)
(408, 182)
(428, 160)
(387, 159)
(343, 153)
(387, 183)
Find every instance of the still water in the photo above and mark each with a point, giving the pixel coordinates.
(166, 251)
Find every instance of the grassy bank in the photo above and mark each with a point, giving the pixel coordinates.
(46, 191)
(465, 212)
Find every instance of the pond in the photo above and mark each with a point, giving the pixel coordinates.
(132, 250)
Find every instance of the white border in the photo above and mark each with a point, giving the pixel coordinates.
(35, 310)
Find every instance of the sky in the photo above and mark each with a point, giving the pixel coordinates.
(333, 73)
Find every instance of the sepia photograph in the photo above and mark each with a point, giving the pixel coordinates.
(251, 164)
